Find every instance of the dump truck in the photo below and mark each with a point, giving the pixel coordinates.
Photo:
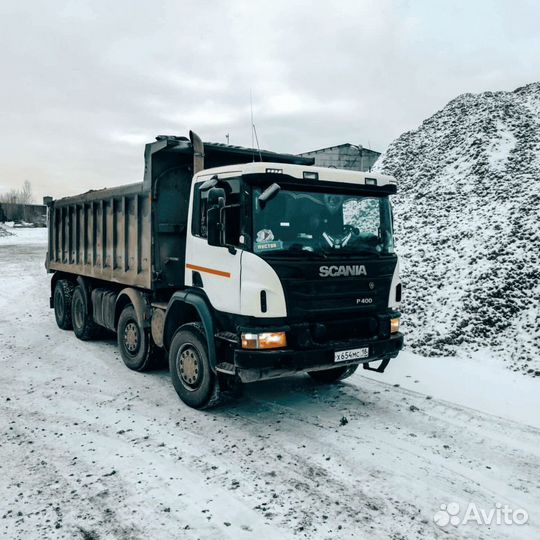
(232, 264)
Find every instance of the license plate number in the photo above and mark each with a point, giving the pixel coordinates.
(351, 354)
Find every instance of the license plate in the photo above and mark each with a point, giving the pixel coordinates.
(351, 354)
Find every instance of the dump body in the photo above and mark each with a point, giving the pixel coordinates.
(103, 234)
(135, 235)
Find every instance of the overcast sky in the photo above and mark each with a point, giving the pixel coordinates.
(84, 84)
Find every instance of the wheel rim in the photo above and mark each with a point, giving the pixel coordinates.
(189, 367)
(78, 312)
(59, 304)
(132, 338)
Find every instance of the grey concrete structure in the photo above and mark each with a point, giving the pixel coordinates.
(31, 213)
(344, 156)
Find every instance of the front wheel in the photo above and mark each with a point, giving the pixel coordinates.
(327, 376)
(192, 377)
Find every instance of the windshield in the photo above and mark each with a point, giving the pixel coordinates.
(322, 224)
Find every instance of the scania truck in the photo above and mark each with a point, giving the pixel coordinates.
(236, 265)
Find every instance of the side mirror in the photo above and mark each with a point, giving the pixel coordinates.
(216, 202)
(268, 194)
(209, 184)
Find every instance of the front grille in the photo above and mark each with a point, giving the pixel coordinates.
(311, 297)
(308, 299)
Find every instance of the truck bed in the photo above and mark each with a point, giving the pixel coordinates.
(103, 234)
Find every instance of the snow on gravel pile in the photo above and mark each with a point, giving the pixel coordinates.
(4, 232)
(467, 226)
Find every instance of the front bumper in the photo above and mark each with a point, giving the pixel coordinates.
(254, 365)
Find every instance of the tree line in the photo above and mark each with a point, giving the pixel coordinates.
(18, 196)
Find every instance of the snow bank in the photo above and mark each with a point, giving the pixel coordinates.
(4, 232)
(10, 235)
(476, 382)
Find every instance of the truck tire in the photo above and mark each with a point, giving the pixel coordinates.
(134, 342)
(63, 292)
(327, 376)
(192, 377)
(83, 325)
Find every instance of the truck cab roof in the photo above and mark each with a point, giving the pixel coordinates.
(300, 172)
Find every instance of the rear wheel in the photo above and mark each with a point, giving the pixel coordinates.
(327, 376)
(134, 342)
(192, 377)
(83, 325)
(63, 292)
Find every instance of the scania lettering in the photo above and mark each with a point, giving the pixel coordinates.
(335, 271)
(233, 265)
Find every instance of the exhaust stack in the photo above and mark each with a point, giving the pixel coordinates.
(198, 152)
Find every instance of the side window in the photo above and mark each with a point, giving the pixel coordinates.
(231, 212)
(200, 205)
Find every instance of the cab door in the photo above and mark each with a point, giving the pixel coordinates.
(214, 269)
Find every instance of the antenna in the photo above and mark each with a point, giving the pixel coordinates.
(257, 139)
(254, 137)
(227, 137)
(251, 108)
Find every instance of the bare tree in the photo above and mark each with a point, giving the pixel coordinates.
(26, 195)
(11, 196)
(19, 196)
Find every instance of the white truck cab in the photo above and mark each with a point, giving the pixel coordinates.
(234, 279)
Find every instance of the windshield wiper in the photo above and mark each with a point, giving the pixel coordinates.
(350, 251)
(305, 254)
(299, 253)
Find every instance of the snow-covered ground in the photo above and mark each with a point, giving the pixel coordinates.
(11, 236)
(89, 449)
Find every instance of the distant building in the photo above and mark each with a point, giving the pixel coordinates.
(344, 156)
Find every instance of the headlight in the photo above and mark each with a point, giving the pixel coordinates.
(266, 340)
(394, 325)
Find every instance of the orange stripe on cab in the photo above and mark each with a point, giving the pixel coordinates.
(208, 270)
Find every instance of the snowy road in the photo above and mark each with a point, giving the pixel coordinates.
(91, 450)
